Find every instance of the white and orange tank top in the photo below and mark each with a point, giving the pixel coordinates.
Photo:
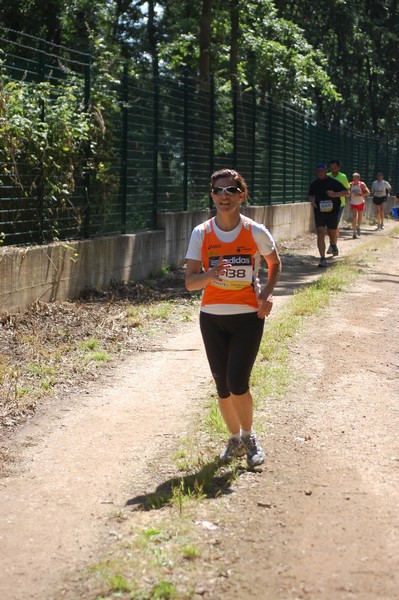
(236, 286)
(243, 247)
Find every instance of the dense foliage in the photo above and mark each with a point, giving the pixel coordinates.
(55, 142)
(360, 38)
(64, 124)
(337, 59)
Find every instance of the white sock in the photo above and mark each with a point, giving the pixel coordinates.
(235, 435)
(245, 433)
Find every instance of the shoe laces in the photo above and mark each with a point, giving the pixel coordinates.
(251, 443)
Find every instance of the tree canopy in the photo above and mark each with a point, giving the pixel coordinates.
(337, 59)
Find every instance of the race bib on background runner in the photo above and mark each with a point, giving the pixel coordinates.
(238, 275)
(326, 205)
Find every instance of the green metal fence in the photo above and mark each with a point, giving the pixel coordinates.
(156, 142)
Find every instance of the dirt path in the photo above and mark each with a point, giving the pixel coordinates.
(324, 522)
(321, 523)
(77, 461)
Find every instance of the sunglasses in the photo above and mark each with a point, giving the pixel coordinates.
(229, 190)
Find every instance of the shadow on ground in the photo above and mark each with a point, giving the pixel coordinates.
(211, 481)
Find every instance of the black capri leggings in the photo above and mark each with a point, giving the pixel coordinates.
(231, 344)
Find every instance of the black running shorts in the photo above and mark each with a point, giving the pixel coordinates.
(326, 219)
(379, 201)
(231, 344)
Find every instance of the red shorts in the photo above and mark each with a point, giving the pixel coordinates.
(358, 207)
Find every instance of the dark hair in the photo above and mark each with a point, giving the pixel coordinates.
(239, 179)
(335, 161)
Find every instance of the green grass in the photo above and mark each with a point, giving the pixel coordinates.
(40, 370)
(135, 316)
(190, 552)
(99, 357)
(164, 590)
(138, 315)
(89, 345)
(151, 532)
(163, 310)
(212, 420)
(92, 352)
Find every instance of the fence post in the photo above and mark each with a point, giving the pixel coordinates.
(284, 153)
(253, 144)
(155, 146)
(123, 181)
(211, 130)
(377, 157)
(292, 186)
(270, 148)
(235, 120)
(87, 94)
(40, 187)
(185, 139)
(367, 170)
(305, 164)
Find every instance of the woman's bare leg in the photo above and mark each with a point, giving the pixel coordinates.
(237, 412)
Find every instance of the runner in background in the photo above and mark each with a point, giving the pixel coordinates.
(325, 197)
(223, 259)
(342, 178)
(358, 191)
(380, 190)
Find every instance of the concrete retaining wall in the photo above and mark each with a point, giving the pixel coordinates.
(285, 221)
(62, 271)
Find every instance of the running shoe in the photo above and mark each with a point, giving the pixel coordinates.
(233, 449)
(382, 225)
(330, 250)
(335, 250)
(354, 236)
(323, 263)
(255, 454)
(358, 231)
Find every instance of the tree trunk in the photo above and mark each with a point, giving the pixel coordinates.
(152, 38)
(235, 23)
(372, 103)
(205, 45)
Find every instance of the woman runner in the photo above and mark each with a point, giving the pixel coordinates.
(223, 260)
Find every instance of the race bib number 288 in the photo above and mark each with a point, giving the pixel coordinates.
(238, 275)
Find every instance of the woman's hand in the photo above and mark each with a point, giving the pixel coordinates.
(219, 269)
(265, 298)
(265, 306)
(198, 280)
